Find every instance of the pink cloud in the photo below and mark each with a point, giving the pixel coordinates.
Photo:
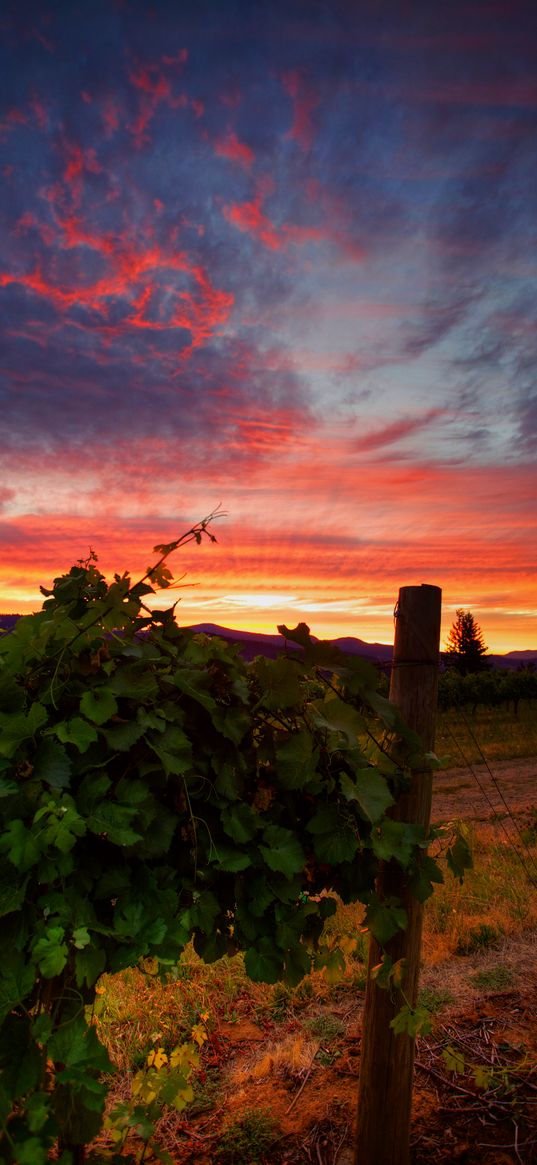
(180, 58)
(13, 119)
(249, 217)
(154, 88)
(396, 431)
(235, 151)
(305, 101)
(28, 222)
(134, 273)
(39, 111)
(110, 116)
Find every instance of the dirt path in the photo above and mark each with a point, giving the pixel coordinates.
(482, 792)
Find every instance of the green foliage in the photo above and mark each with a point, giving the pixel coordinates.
(412, 1021)
(155, 788)
(496, 979)
(245, 1142)
(459, 853)
(488, 689)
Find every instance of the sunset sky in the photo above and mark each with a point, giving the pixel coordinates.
(279, 256)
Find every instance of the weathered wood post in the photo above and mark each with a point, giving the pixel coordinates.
(385, 1090)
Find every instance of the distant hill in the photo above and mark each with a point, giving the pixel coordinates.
(7, 622)
(252, 643)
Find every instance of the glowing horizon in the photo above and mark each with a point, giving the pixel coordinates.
(285, 262)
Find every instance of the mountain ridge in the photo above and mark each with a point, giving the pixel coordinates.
(252, 643)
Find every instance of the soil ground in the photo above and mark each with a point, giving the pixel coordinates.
(308, 1083)
(482, 792)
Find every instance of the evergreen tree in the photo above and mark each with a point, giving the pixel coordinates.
(465, 647)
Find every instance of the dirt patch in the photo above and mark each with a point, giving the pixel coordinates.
(486, 792)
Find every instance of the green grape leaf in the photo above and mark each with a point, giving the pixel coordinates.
(388, 713)
(260, 896)
(339, 718)
(89, 964)
(459, 856)
(32, 1152)
(299, 634)
(16, 982)
(92, 789)
(63, 827)
(412, 1021)
(121, 737)
(12, 893)
(204, 911)
(20, 845)
(454, 1060)
(12, 696)
(232, 860)
(134, 680)
(384, 919)
(282, 851)
(37, 1110)
(194, 684)
(240, 822)
(296, 760)
(52, 764)
(81, 938)
(422, 877)
(297, 965)
(263, 963)
(15, 728)
(51, 952)
(173, 749)
(98, 705)
(369, 789)
(114, 822)
(390, 840)
(7, 787)
(279, 682)
(76, 731)
(334, 840)
(76, 1045)
(483, 1076)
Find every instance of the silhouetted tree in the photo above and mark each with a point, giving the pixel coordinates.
(465, 647)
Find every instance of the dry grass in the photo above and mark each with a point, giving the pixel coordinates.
(136, 1009)
(498, 897)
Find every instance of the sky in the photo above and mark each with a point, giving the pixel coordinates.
(281, 258)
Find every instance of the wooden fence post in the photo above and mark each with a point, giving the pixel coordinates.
(387, 1062)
